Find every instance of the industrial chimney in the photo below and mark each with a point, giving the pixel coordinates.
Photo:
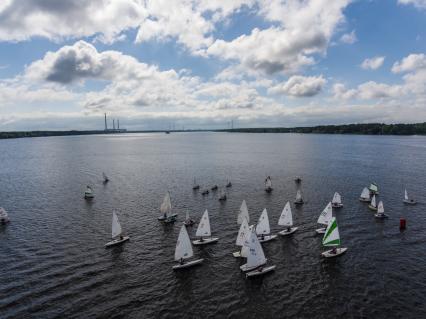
(113, 124)
(118, 124)
(106, 126)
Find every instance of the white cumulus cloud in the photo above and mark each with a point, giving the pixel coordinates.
(373, 63)
(299, 86)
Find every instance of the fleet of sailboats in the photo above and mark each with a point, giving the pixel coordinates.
(204, 231)
(286, 220)
(263, 229)
(116, 233)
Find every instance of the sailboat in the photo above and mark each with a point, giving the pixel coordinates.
(365, 195)
(214, 188)
(380, 211)
(374, 189)
(332, 239)
(228, 184)
(106, 179)
(117, 237)
(262, 228)
(286, 219)
(222, 195)
(184, 251)
(373, 205)
(242, 237)
(243, 213)
(255, 258)
(408, 200)
(203, 230)
(268, 184)
(299, 198)
(324, 218)
(88, 194)
(4, 218)
(188, 221)
(166, 210)
(195, 186)
(337, 200)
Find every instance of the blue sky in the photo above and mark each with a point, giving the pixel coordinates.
(201, 64)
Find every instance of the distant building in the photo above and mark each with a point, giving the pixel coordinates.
(114, 129)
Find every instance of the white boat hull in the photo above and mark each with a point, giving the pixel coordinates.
(237, 254)
(205, 241)
(286, 232)
(410, 202)
(372, 207)
(321, 230)
(266, 238)
(245, 268)
(337, 205)
(260, 271)
(89, 196)
(329, 254)
(117, 241)
(188, 264)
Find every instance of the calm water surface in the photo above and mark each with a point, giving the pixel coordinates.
(53, 263)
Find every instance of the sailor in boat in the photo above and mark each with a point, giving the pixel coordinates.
(201, 239)
(333, 251)
(288, 229)
(181, 261)
(263, 237)
(121, 237)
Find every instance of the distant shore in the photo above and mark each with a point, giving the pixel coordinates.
(362, 129)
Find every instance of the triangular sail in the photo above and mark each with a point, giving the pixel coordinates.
(337, 199)
(286, 218)
(262, 226)
(326, 215)
(245, 249)
(298, 195)
(406, 195)
(243, 213)
(331, 236)
(380, 208)
(268, 182)
(365, 193)
(183, 245)
(242, 233)
(116, 227)
(373, 187)
(203, 229)
(373, 201)
(166, 205)
(255, 256)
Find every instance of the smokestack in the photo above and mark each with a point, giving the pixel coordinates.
(113, 124)
(118, 124)
(106, 127)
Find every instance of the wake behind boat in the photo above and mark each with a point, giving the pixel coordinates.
(184, 251)
(204, 231)
(117, 237)
(286, 220)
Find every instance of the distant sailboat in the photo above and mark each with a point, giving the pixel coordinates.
(268, 184)
(166, 210)
(184, 251)
(88, 194)
(332, 239)
(117, 237)
(298, 179)
(214, 188)
(373, 205)
(228, 184)
(255, 258)
(106, 179)
(286, 219)
(243, 213)
(4, 217)
(242, 237)
(408, 200)
(325, 218)
(188, 221)
(263, 229)
(337, 200)
(204, 232)
(195, 185)
(205, 192)
(380, 211)
(299, 198)
(374, 189)
(365, 195)
(222, 195)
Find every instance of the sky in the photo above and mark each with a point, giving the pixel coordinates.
(203, 64)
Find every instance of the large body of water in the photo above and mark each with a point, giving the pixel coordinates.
(53, 263)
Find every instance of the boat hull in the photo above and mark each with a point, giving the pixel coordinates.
(237, 254)
(329, 254)
(286, 232)
(205, 241)
(260, 271)
(188, 264)
(372, 207)
(4, 221)
(266, 238)
(188, 223)
(337, 205)
(410, 202)
(268, 190)
(380, 216)
(298, 202)
(364, 200)
(245, 268)
(117, 241)
(321, 230)
(168, 218)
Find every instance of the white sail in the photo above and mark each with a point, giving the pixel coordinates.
(262, 226)
(298, 195)
(373, 201)
(406, 195)
(326, 215)
(380, 208)
(166, 205)
(242, 233)
(243, 213)
(116, 227)
(337, 199)
(331, 235)
(245, 249)
(286, 218)
(203, 229)
(183, 245)
(255, 256)
(268, 183)
(365, 193)
(3, 213)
